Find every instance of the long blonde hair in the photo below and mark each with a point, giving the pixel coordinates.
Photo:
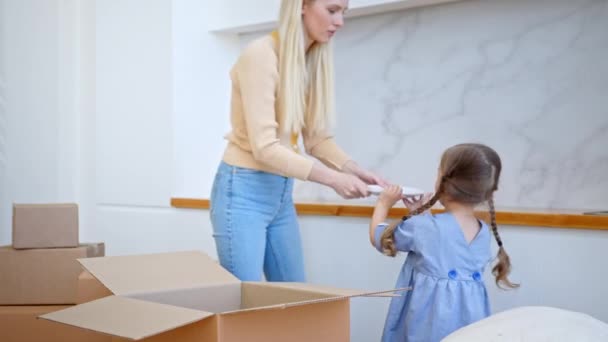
(306, 85)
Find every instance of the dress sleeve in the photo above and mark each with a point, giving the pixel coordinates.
(405, 234)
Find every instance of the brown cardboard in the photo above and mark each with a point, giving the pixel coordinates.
(156, 272)
(129, 318)
(89, 288)
(322, 322)
(327, 321)
(45, 225)
(20, 324)
(42, 276)
(203, 302)
(202, 331)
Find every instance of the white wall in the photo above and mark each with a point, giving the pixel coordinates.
(87, 110)
(86, 89)
(138, 89)
(134, 102)
(4, 208)
(150, 101)
(32, 76)
(201, 87)
(39, 119)
(526, 78)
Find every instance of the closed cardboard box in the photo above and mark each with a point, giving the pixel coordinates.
(42, 276)
(45, 225)
(20, 324)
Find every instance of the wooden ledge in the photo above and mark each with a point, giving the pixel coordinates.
(539, 218)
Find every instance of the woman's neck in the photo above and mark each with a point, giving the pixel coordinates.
(308, 43)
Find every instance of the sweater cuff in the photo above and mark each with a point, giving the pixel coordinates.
(330, 154)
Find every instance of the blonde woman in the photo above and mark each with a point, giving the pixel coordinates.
(282, 90)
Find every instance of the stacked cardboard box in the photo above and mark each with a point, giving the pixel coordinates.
(45, 225)
(40, 274)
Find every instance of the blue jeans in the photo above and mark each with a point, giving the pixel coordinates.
(255, 225)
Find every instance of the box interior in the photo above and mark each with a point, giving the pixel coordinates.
(231, 297)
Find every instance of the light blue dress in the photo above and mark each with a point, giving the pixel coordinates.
(445, 273)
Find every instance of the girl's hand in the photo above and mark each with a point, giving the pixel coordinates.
(390, 195)
(413, 203)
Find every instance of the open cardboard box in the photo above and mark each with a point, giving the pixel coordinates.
(188, 297)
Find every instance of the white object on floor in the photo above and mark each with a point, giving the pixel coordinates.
(407, 191)
(534, 324)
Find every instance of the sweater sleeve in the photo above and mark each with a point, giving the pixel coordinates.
(258, 78)
(322, 146)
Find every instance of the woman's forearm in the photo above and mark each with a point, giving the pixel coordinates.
(352, 167)
(322, 175)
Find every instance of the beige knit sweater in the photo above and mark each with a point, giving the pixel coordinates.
(256, 140)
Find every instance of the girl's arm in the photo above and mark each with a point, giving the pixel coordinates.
(386, 201)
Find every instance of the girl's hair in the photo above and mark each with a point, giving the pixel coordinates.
(306, 86)
(469, 174)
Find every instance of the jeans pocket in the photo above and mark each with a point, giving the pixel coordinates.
(214, 189)
(221, 191)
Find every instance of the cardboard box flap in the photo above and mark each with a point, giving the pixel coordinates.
(135, 274)
(127, 318)
(43, 205)
(321, 289)
(335, 296)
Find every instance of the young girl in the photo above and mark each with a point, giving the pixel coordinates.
(447, 252)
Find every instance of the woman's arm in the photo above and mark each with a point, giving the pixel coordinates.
(347, 186)
(322, 146)
(365, 175)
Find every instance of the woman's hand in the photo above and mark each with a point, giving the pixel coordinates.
(346, 185)
(365, 175)
(349, 186)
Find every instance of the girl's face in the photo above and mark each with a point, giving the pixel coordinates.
(322, 18)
